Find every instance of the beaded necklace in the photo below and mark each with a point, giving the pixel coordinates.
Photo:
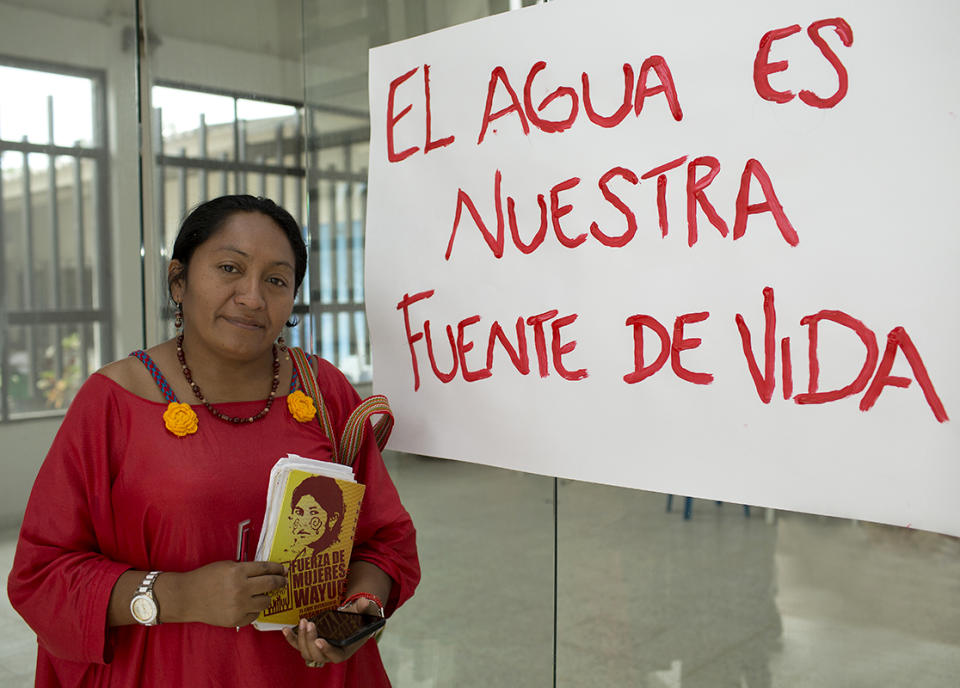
(219, 414)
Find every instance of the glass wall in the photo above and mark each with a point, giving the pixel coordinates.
(138, 110)
(484, 612)
(535, 581)
(69, 216)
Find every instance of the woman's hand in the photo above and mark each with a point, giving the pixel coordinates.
(225, 593)
(315, 650)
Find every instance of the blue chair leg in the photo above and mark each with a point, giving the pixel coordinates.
(688, 507)
(746, 509)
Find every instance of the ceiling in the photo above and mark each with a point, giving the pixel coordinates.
(271, 27)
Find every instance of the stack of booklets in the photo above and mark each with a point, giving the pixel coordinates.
(309, 526)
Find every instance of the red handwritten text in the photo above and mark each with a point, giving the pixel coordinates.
(753, 175)
(680, 343)
(429, 143)
(870, 377)
(763, 68)
(530, 113)
(517, 350)
(897, 340)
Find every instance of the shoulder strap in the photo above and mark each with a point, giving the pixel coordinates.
(356, 423)
(154, 371)
(349, 445)
(309, 383)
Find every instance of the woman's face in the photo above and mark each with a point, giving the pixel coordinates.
(239, 287)
(310, 521)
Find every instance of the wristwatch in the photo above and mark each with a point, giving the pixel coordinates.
(143, 606)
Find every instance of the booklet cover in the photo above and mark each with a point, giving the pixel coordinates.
(309, 526)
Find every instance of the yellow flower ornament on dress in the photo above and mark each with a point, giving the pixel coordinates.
(301, 407)
(180, 419)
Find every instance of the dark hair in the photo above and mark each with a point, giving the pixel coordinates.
(328, 495)
(205, 219)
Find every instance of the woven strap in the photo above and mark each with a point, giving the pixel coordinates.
(357, 422)
(309, 383)
(156, 374)
(345, 451)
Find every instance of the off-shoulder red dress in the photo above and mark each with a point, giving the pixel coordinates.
(119, 491)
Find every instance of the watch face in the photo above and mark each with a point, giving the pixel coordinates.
(143, 608)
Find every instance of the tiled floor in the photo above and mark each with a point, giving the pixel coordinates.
(18, 645)
(646, 598)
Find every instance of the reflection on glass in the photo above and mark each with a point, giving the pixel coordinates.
(261, 109)
(726, 600)
(46, 366)
(211, 144)
(647, 598)
(184, 111)
(483, 614)
(338, 35)
(53, 227)
(48, 107)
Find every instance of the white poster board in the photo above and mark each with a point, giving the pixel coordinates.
(618, 195)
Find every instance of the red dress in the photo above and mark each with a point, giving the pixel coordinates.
(119, 491)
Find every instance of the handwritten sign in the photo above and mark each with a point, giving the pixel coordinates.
(701, 250)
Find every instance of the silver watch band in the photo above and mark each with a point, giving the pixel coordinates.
(146, 586)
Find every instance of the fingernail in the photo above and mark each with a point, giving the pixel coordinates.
(311, 628)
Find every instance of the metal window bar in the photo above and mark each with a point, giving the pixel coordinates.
(233, 173)
(4, 328)
(204, 181)
(336, 205)
(240, 147)
(225, 177)
(54, 239)
(330, 304)
(27, 300)
(182, 179)
(159, 191)
(82, 296)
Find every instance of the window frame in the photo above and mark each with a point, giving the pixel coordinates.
(99, 315)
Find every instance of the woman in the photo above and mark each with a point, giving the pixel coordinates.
(315, 519)
(141, 495)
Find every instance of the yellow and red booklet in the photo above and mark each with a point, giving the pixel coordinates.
(309, 526)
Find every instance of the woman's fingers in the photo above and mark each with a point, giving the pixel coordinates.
(314, 650)
(263, 585)
(310, 649)
(330, 652)
(261, 568)
(264, 577)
